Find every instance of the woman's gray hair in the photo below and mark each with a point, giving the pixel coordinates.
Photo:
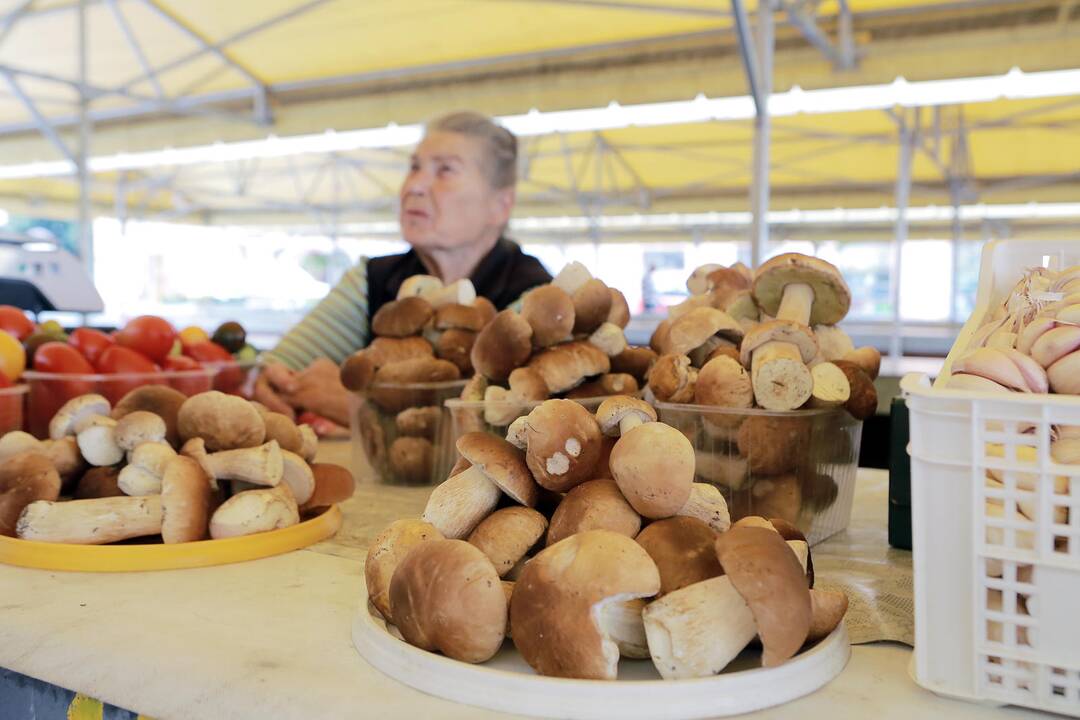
(500, 145)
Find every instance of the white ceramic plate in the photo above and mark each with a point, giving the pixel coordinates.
(506, 682)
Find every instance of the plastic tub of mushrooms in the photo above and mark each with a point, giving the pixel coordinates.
(13, 408)
(163, 481)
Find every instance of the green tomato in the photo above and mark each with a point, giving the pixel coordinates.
(52, 327)
(246, 354)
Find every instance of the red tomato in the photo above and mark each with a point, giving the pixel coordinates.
(91, 343)
(14, 320)
(230, 377)
(191, 385)
(48, 395)
(121, 360)
(148, 334)
(5, 382)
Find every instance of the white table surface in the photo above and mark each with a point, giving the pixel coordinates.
(271, 638)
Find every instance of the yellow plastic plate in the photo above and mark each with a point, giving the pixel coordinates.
(136, 558)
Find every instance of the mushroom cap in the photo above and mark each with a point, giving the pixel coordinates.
(97, 440)
(549, 310)
(832, 298)
(724, 382)
(287, 433)
(387, 350)
(827, 610)
(634, 361)
(402, 318)
(419, 285)
(773, 444)
(25, 478)
(659, 339)
(358, 371)
(463, 614)
(506, 535)
(74, 411)
(684, 550)
(459, 317)
(768, 576)
(98, 482)
(224, 422)
(553, 616)
(612, 411)
(298, 476)
(653, 465)
(455, 345)
(165, 402)
(620, 309)
(593, 505)
(565, 366)
(387, 393)
(862, 401)
(605, 385)
(486, 308)
(671, 379)
(697, 326)
(185, 501)
(333, 484)
(502, 463)
(781, 331)
(139, 427)
(563, 444)
(527, 384)
(387, 551)
(419, 421)
(411, 459)
(790, 532)
(592, 303)
(726, 279)
(504, 344)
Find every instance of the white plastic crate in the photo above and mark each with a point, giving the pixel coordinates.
(997, 568)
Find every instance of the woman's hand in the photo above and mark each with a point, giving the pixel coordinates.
(318, 388)
(273, 383)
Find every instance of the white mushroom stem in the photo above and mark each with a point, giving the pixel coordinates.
(91, 522)
(571, 277)
(255, 511)
(707, 504)
(261, 465)
(609, 338)
(97, 441)
(796, 303)
(500, 406)
(517, 433)
(727, 470)
(778, 364)
(629, 422)
(620, 619)
(831, 386)
(456, 506)
(697, 630)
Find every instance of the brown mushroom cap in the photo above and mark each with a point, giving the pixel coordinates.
(549, 310)
(333, 484)
(419, 421)
(527, 384)
(563, 444)
(654, 467)
(459, 317)
(25, 478)
(592, 303)
(790, 532)
(827, 610)
(868, 358)
(504, 344)
(607, 384)
(726, 280)
(659, 339)
(786, 331)
(387, 350)
(552, 611)
(411, 459)
(185, 501)
(776, 496)
(507, 534)
(612, 411)
(832, 298)
(564, 366)
(98, 482)
(486, 308)
(593, 505)
(387, 393)
(773, 444)
(358, 371)
(402, 318)
(771, 580)
(725, 383)
(502, 463)
(387, 551)
(620, 309)
(694, 328)
(671, 379)
(71, 414)
(863, 401)
(684, 550)
(163, 401)
(463, 615)
(224, 422)
(455, 345)
(137, 428)
(285, 431)
(634, 361)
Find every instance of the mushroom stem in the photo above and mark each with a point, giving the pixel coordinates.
(621, 621)
(707, 504)
(796, 303)
(831, 386)
(262, 465)
(628, 423)
(91, 522)
(456, 506)
(780, 378)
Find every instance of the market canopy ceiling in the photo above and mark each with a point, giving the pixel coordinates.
(186, 73)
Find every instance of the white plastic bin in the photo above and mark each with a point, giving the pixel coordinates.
(997, 568)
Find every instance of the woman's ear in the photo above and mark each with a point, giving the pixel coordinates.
(502, 205)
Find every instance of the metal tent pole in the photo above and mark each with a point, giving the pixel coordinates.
(759, 188)
(903, 192)
(86, 242)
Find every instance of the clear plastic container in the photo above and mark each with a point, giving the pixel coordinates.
(13, 408)
(798, 465)
(49, 391)
(235, 378)
(418, 449)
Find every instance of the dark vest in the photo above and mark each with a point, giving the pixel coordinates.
(502, 276)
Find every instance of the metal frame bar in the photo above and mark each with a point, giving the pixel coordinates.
(746, 52)
(86, 240)
(40, 122)
(908, 136)
(665, 9)
(842, 54)
(136, 48)
(8, 22)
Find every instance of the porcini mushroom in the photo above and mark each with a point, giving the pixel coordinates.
(671, 379)
(549, 310)
(463, 615)
(262, 465)
(777, 353)
(255, 511)
(504, 344)
(224, 422)
(91, 522)
(17, 441)
(419, 421)
(389, 388)
(96, 482)
(137, 428)
(593, 505)
(609, 339)
(282, 430)
(559, 600)
(309, 442)
(419, 286)
(620, 310)
(563, 444)
(724, 383)
(773, 444)
(74, 411)
(868, 358)
(619, 414)
(185, 501)
(458, 505)
(572, 276)
(683, 549)
(145, 469)
(163, 401)
(297, 474)
(333, 484)
(412, 459)
(592, 303)
(501, 407)
(605, 385)
(634, 361)
(695, 329)
(389, 350)
(97, 440)
(24, 478)
(386, 552)
(831, 387)
(565, 366)
(827, 610)
(455, 346)
(507, 534)
(653, 465)
(402, 318)
(707, 504)
(862, 399)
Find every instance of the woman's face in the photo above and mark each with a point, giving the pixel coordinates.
(447, 200)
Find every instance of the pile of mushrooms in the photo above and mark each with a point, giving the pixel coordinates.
(566, 341)
(766, 339)
(159, 463)
(584, 539)
(426, 335)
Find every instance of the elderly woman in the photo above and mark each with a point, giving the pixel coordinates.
(456, 201)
